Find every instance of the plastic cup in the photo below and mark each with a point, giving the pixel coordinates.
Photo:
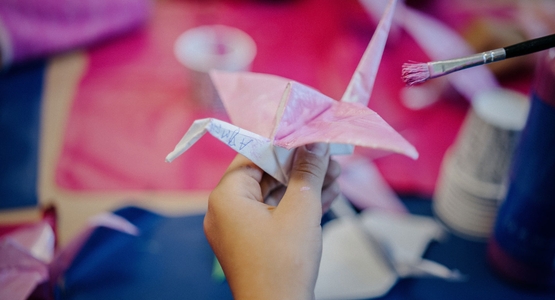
(212, 47)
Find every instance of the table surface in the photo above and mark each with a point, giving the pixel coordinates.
(172, 259)
(53, 112)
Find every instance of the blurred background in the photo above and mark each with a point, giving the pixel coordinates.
(93, 97)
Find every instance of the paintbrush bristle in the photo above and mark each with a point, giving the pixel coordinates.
(415, 73)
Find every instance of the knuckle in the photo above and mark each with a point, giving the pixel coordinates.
(310, 168)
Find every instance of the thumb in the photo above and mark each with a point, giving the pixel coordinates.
(308, 171)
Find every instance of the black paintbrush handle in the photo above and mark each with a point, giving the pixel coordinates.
(530, 46)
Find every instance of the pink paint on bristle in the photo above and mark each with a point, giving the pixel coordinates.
(415, 73)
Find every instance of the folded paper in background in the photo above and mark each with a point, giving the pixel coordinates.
(28, 257)
(31, 29)
(352, 267)
(273, 116)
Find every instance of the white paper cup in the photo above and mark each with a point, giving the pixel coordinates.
(485, 144)
(474, 171)
(209, 47)
(459, 209)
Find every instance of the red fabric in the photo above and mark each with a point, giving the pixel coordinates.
(131, 105)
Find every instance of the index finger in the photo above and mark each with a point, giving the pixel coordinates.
(240, 180)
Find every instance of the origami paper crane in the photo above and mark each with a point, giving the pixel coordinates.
(272, 116)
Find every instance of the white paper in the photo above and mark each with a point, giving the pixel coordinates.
(360, 264)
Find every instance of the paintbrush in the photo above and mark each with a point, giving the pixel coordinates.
(415, 73)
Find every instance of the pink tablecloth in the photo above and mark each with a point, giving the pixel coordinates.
(131, 106)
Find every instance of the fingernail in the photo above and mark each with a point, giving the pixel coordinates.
(317, 148)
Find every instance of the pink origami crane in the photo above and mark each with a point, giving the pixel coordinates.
(272, 116)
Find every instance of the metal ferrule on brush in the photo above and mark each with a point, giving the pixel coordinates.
(439, 68)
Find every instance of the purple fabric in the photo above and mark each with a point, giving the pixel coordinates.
(36, 28)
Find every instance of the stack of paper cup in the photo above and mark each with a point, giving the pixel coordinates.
(209, 47)
(474, 172)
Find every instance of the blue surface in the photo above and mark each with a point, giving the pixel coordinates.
(20, 105)
(470, 259)
(171, 259)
